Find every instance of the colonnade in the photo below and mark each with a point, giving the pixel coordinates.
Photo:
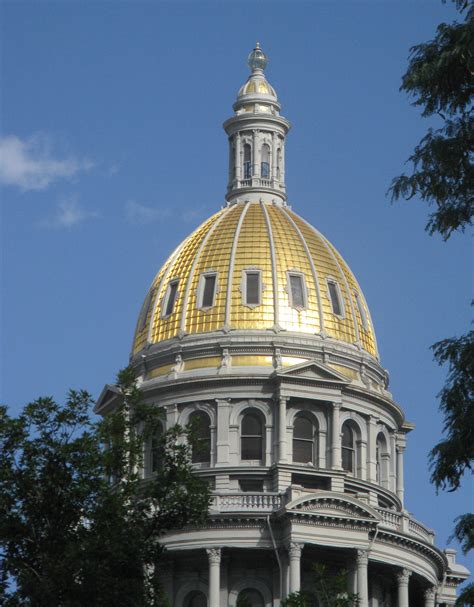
(295, 551)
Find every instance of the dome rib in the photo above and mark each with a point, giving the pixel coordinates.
(228, 302)
(313, 268)
(276, 307)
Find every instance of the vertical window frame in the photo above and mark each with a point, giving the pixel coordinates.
(243, 287)
(201, 289)
(166, 298)
(332, 281)
(362, 311)
(304, 289)
(313, 441)
(260, 437)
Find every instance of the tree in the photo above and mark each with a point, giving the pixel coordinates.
(329, 589)
(440, 79)
(78, 524)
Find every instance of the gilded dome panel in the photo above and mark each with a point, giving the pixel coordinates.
(275, 243)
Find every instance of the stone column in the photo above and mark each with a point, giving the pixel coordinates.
(214, 556)
(294, 553)
(336, 436)
(282, 428)
(429, 596)
(171, 415)
(238, 173)
(400, 480)
(274, 155)
(222, 443)
(256, 154)
(403, 578)
(362, 579)
(393, 463)
(372, 450)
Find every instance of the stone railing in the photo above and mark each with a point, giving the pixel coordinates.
(246, 502)
(403, 522)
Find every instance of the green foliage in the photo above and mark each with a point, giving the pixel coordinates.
(466, 596)
(464, 532)
(453, 455)
(78, 524)
(329, 589)
(439, 79)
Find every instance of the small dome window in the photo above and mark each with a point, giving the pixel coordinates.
(297, 290)
(335, 297)
(202, 426)
(265, 162)
(170, 298)
(251, 437)
(303, 440)
(252, 288)
(247, 161)
(146, 309)
(363, 315)
(207, 290)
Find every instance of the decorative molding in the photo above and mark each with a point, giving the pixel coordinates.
(403, 577)
(214, 555)
(362, 558)
(294, 550)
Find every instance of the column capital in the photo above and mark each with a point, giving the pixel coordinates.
(223, 401)
(403, 576)
(214, 555)
(294, 550)
(336, 404)
(430, 593)
(373, 419)
(362, 557)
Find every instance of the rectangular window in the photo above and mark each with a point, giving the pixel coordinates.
(208, 290)
(145, 309)
(251, 486)
(252, 288)
(363, 315)
(335, 298)
(297, 292)
(171, 298)
(265, 170)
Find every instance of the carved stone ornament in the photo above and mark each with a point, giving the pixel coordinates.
(403, 576)
(214, 555)
(294, 550)
(430, 593)
(362, 557)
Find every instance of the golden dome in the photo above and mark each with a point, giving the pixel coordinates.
(301, 283)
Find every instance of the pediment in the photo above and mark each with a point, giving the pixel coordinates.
(107, 396)
(313, 370)
(333, 505)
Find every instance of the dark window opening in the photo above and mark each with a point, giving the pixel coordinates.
(265, 162)
(251, 437)
(156, 451)
(196, 599)
(335, 301)
(247, 161)
(201, 425)
(297, 291)
(252, 288)
(250, 598)
(209, 290)
(310, 482)
(303, 440)
(348, 450)
(171, 300)
(251, 485)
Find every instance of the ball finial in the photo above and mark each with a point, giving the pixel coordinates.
(257, 59)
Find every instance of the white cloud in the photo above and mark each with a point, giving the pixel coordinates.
(30, 165)
(69, 213)
(140, 214)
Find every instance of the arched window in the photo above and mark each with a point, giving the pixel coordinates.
(156, 450)
(265, 162)
(202, 426)
(251, 436)
(247, 161)
(278, 163)
(195, 599)
(303, 440)
(381, 469)
(348, 449)
(250, 598)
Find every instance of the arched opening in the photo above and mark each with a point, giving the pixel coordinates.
(201, 425)
(279, 163)
(265, 162)
(251, 436)
(304, 440)
(349, 453)
(382, 460)
(247, 161)
(156, 450)
(250, 598)
(195, 599)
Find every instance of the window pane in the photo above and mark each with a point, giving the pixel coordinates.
(251, 485)
(173, 290)
(265, 170)
(303, 428)
(251, 447)
(334, 294)
(251, 425)
(347, 437)
(202, 426)
(247, 153)
(145, 309)
(297, 293)
(208, 291)
(265, 154)
(362, 313)
(253, 287)
(347, 459)
(302, 451)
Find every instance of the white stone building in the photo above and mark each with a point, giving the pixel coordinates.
(257, 325)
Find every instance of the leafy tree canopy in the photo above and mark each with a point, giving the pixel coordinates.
(440, 80)
(78, 524)
(328, 589)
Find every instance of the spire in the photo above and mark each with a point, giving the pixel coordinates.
(257, 135)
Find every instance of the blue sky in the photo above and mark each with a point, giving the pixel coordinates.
(113, 152)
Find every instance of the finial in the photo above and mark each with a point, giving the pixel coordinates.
(257, 60)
